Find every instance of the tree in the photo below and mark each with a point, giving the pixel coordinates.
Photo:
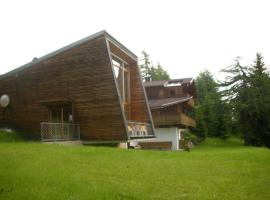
(150, 72)
(247, 89)
(260, 104)
(237, 95)
(158, 73)
(210, 111)
(145, 65)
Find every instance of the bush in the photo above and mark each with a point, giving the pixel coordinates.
(8, 135)
(189, 136)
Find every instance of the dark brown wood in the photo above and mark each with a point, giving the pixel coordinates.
(166, 145)
(162, 92)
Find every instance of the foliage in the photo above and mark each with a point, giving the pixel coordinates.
(211, 113)
(150, 72)
(247, 89)
(41, 171)
(145, 66)
(7, 135)
(190, 136)
(158, 73)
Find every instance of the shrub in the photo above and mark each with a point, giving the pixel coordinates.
(8, 135)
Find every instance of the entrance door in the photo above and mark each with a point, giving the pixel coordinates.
(60, 114)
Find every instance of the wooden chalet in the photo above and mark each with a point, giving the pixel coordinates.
(89, 90)
(171, 104)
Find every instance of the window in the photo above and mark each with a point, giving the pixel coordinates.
(121, 73)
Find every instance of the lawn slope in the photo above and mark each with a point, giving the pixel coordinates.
(213, 170)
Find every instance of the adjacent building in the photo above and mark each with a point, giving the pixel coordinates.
(171, 103)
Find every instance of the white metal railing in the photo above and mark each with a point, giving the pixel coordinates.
(59, 131)
(139, 130)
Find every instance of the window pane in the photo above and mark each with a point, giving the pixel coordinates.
(127, 93)
(126, 86)
(116, 71)
(116, 63)
(120, 82)
(122, 78)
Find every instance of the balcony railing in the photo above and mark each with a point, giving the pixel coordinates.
(140, 130)
(59, 131)
(186, 120)
(173, 119)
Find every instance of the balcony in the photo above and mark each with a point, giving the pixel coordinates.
(59, 131)
(186, 120)
(139, 130)
(172, 120)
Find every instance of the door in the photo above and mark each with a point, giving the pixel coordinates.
(60, 114)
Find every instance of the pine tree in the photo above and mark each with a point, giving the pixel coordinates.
(237, 94)
(158, 73)
(247, 89)
(211, 116)
(150, 72)
(145, 66)
(260, 104)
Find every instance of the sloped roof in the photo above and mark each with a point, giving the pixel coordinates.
(182, 80)
(54, 53)
(161, 103)
(154, 83)
(165, 82)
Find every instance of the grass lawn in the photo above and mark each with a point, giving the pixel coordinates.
(213, 170)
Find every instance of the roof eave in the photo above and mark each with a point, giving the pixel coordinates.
(65, 48)
(171, 104)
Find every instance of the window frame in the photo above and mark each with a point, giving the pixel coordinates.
(124, 67)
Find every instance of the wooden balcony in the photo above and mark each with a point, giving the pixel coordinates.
(171, 120)
(186, 120)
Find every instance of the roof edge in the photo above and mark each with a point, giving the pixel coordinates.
(110, 37)
(164, 83)
(65, 48)
(172, 103)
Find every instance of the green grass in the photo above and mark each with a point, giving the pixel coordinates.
(213, 170)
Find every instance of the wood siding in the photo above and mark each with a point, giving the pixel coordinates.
(159, 92)
(83, 75)
(166, 145)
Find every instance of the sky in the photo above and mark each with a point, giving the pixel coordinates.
(184, 36)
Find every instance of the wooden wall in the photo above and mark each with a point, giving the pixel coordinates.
(82, 74)
(162, 145)
(160, 92)
(139, 108)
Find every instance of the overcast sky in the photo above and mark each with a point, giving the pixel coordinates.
(186, 37)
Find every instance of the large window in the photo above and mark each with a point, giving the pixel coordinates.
(60, 114)
(121, 72)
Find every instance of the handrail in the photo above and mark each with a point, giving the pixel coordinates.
(59, 131)
(139, 130)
